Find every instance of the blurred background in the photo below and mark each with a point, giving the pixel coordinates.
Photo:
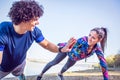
(63, 19)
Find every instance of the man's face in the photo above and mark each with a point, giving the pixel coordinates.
(30, 25)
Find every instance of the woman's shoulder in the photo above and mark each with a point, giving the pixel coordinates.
(83, 41)
(84, 38)
(98, 47)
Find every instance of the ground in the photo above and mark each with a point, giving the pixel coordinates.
(77, 75)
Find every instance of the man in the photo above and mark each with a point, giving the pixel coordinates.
(17, 36)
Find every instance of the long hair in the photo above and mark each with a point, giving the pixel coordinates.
(102, 34)
(104, 40)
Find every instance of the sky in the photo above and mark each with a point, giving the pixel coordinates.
(63, 19)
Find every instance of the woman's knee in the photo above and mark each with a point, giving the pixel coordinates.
(53, 63)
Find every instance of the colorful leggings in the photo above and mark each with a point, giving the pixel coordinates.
(56, 60)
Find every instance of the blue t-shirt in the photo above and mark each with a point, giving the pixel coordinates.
(15, 46)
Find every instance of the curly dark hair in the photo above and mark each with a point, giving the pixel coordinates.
(25, 10)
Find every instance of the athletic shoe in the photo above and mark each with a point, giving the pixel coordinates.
(22, 77)
(39, 78)
(60, 76)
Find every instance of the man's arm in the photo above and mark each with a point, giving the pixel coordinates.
(49, 46)
(54, 48)
(1, 54)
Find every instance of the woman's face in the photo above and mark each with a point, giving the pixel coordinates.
(93, 38)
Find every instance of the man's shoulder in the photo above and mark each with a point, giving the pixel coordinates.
(36, 30)
(5, 22)
(5, 26)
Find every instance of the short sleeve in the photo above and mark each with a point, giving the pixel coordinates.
(38, 35)
(3, 37)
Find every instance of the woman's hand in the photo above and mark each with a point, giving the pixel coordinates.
(69, 45)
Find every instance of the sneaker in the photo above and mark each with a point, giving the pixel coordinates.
(39, 78)
(60, 76)
(22, 77)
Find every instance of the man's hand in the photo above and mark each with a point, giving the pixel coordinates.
(69, 45)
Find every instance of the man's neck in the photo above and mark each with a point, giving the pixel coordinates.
(20, 29)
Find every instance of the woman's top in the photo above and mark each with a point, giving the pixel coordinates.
(80, 51)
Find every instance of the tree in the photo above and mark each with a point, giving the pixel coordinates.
(110, 60)
(117, 60)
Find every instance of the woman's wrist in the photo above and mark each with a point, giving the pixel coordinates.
(60, 49)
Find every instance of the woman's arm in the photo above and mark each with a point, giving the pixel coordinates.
(103, 64)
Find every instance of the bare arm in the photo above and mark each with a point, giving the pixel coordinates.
(54, 48)
(49, 46)
(1, 54)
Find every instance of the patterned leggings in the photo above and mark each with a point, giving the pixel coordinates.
(56, 60)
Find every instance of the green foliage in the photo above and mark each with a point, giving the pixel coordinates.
(113, 60)
(117, 60)
(110, 61)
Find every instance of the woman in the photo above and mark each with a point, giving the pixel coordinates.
(84, 47)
